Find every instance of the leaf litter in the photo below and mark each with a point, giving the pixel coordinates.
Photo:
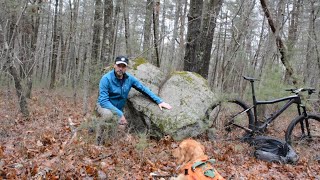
(46, 146)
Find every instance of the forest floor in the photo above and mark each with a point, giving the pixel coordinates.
(46, 146)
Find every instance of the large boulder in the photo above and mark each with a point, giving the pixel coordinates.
(188, 94)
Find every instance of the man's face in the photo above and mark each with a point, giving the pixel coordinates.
(120, 69)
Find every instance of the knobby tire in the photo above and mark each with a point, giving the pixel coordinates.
(304, 142)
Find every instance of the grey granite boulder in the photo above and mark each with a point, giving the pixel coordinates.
(188, 94)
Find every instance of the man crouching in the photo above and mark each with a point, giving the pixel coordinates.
(114, 88)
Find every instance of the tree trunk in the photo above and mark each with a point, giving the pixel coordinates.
(108, 31)
(293, 26)
(172, 52)
(317, 48)
(147, 29)
(72, 57)
(8, 51)
(95, 54)
(63, 50)
(213, 77)
(35, 18)
(179, 64)
(207, 32)
(86, 78)
(293, 29)
(280, 44)
(156, 12)
(191, 63)
(44, 58)
(310, 46)
(115, 25)
(127, 27)
(162, 33)
(257, 53)
(55, 45)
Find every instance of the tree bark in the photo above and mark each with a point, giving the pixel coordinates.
(127, 27)
(44, 59)
(108, 31)
(213, 77)
(55, 45)
(280, 44)
(179, 64)
(162, 33)
(156, 13)
(63, 46)
(115, 24)
(86, 78)
(207, 32)
(172, 52)
(191, 63)
(9, 65)
(257, 53)
(310, 47)
(95, 54)
(72, 58)
(35, 19)
(147, 29)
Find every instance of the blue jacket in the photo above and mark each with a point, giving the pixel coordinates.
(113, 92)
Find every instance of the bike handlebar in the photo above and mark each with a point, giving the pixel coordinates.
(297, 90)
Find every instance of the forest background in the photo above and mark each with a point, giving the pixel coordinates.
(64, 45)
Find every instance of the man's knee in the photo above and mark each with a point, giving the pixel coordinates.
(104, 113)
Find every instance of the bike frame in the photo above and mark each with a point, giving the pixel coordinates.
(294, 99)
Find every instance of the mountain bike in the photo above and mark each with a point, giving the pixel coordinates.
(241, 121)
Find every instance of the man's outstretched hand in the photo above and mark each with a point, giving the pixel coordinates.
(164, 105)
(123, 121)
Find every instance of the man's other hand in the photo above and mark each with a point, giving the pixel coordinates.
(164, 105)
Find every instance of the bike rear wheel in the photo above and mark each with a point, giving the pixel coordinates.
(303, 134)
(234, 119)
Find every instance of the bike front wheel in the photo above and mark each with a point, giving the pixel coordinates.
(234, 118)
(303, 134)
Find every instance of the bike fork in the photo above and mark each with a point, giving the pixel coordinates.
(305, 122)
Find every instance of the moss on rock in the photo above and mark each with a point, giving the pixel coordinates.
(185, 75)
(138, 62)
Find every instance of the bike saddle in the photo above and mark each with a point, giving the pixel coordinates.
(249, 78)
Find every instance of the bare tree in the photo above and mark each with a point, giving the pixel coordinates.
(72, 58)
(115, 24)
(147, 29)
(205, 43)
(55, 45)
(172, 52)
(45, 62)
(127, 27)
(35, 23)
(202, 22)
(63, 47)
(156, 13)
(95, 55)
(312, 51)
(86, 79)
(108, 31)
(9, 63)
(191, 63)
(179, 63)
(280, 44)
